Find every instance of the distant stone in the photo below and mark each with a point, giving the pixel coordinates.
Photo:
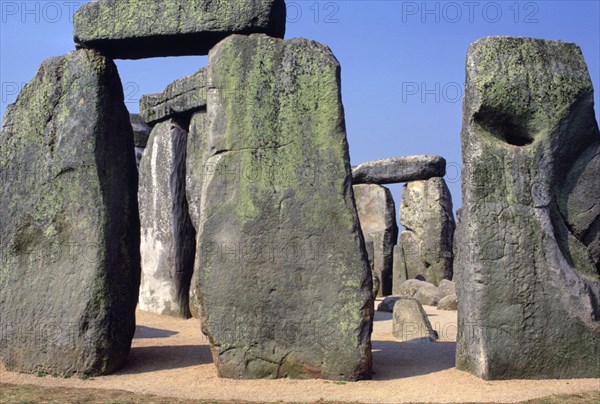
(377, 216)
(410, 322)
(448, 303)
(141, 130)
(411, 286)
(527, 271)
(446, 288)
(136, 29)
(387, 304)
(371, 254)
(69, 251)
(399, 270)
(182, 97)
(399, 169)
(427, 241)
(281, 273)
(427, 295)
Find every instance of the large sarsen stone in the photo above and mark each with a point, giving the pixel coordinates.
(281, 270)
(377, 216)
(168, 242)
(69, 250)
(527, 270)
(136, 29)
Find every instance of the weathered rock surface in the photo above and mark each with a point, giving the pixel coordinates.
(426, 293)
(136, 29)
(410, 322)
(376, 279)
(141, 130)
(448, 302)
(196, 170)
(399, 169)
(377, 216)
(283, 292)
(387, 304)
(69, 251)
(141, 133)
(168, 242)
(182, 97)
(527, 280)
(399, 270)
(446, 288)
(426, 213)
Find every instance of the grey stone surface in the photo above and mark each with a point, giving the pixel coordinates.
(168, 242)
(410, 322)
(387, 304)
(527, 282)
(399, 169)
(369, 246)
(69, 249)
(196, 170)
(182, 97)
(282, 274)
(136, 29)
(427, 295)
(399, 270)
(446, 288)
(426, 213)
(377, 216)
(448, 303)
(141, 130)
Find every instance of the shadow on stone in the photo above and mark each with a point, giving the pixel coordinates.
(156, 358)
(149, 332)
(397, 360)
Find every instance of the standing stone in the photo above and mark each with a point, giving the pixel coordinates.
(168, 242)
(410, 322)
(377, 216)
(528, 280)
(69, 251)
(281, 270)
(426, 213)
(196, 169)
(399, 169)
(136, 29)
(399, 275)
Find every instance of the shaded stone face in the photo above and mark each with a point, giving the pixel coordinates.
(182, 97)
(426, 213)
(69, 251)
(377, 216)
(136, 29)
(168, 242)
(527, 276)
(399, 169)
(281, 270)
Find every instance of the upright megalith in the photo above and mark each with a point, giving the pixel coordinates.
(141, 133)
(69, 252)
(168, 242)
(426, 213)
(377, 216)
(282, 274)
(136, 29)
(527, 274)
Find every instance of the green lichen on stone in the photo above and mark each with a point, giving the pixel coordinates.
(279, 225)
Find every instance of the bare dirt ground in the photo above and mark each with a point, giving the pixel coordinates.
(170, 357)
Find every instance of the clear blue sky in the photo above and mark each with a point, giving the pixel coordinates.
(402, 61)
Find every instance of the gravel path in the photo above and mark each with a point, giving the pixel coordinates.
(170, 357)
